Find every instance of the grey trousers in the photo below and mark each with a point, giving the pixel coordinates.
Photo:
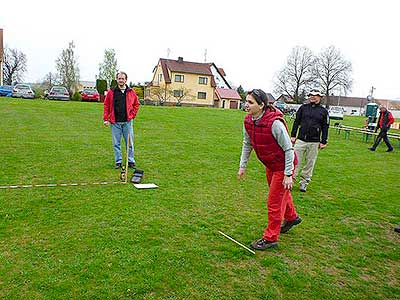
(307, 152)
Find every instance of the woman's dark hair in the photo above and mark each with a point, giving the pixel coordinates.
(261, 97)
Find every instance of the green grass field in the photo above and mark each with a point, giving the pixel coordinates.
(117, 242)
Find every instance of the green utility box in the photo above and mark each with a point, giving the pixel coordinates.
(371, 110)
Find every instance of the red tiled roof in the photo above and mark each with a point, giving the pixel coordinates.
(213, 84)
(165, 71)
(227, 94)
(222, 72)
(183, 67)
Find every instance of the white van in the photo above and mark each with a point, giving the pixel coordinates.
(336, 112)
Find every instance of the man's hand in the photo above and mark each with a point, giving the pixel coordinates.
(322, 146)
(106, 123)
(241, 173)
(287, 182)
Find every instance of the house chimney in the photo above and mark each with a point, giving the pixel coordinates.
(180, 59)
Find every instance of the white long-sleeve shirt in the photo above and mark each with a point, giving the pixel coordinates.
(281, 135)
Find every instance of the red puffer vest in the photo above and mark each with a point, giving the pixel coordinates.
(263, 142)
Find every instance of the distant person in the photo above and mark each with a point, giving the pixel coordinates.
(266, 132)
(384, 121)
(120, 108)
(313, 120)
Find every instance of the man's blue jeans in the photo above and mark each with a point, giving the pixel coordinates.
(122, 129)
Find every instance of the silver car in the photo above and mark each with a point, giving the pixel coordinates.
(22, 91)
(58, 93)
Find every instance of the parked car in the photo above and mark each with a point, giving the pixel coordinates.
(58, 93)
(90, 94)
(21, 90)
(6, 90)
(280, 106)
(336, 112)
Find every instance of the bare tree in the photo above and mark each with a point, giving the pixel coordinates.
(297, 74)
(49, 80)
(333, 72)
(181, 94)
(14, 65)
(67, 67)
(108, 68)
(162, 93)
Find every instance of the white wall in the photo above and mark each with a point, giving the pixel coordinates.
(219, 81)
(396, 113)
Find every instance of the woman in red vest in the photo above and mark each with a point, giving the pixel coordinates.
(266, 132)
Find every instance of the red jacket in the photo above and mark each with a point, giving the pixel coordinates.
(132, 105)
(385, 119)
(263, 142)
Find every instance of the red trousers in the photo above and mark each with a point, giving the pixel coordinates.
(280, 205)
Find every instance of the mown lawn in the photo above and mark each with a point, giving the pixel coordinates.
(117, 242)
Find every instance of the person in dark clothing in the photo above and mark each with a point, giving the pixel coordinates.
(384, 121)
(313, 121)
(120, 108)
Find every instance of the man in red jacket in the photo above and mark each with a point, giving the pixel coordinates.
(385, 120)
(120, 108)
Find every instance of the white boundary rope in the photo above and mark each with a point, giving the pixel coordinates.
(21, 186)
(236, 242)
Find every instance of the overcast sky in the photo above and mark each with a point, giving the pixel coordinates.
(250, 40)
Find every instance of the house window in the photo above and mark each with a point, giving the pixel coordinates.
(201, 95)
(147, 93)
(179, 78)
(178, 93)
(203, 80)
(159, 77)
